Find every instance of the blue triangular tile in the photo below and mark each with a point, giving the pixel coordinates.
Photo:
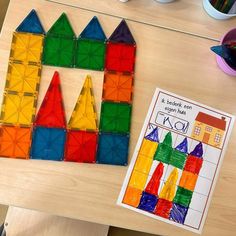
(31, 24)
(93, 30)
(122, 34)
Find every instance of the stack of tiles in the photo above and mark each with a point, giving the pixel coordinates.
(49, 132)
(81, 144)
(117, 97)
(21, 89)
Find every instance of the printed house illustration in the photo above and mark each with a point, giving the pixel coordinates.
(209, 129)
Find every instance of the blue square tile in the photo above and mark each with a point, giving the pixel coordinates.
(148, 202)
(113, 149)
(178, 213)
(48, 143)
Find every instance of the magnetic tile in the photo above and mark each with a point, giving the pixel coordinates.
(120, 57)
(132, 196)
(59, 51)
(138, 180)
(84, 116)
(15, 141)
(51, 112)
(163, 208)
(18, 108)
(93, 31)
(48, 143)
(113, 149)
(27, 48)
(143, 164)
(178, 213)
(81, 146)
(148, 148)
(117, 87)
(31, 24)
(122, 34)
(148, 202)
(115, 117)
(188, 180)
(62, 28)
(90, 54)
(23, 78)
(183, 196)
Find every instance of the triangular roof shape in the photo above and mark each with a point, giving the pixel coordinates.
(51, 112)
(183, 146)
(62, 27)
(122, 34)
(153, 135)
(93, 31)
(84, 116)
(31, 24)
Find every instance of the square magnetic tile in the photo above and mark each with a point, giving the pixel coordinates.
(27, 48)
(115, 117)
(15, 141)
(117, 87)
(120, 57)
(59, 51)
(48, 143)
(113, 149)
(23, 78)
(81, 146)
(90, 54)
(18, 108)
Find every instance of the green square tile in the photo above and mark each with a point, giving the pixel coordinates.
(178, 159)
(90, 54)
(183, 196)
(115, 117)
(59, 51)
(163, 153)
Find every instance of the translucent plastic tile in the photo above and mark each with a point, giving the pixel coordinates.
(27, 48)
(23, 78)
(93, 31)
(122, 34)
(59, 51)
(115, 117)
(132, 196)
(120, 57)
(18, 109)
(84, 116)
(51, 112)
(62, 28)
(117, 87)
(48, 143)
(113, 149)
(15, 141)
(31, 24)
(90, 54)
(81, 146)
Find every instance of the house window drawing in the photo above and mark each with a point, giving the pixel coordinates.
(209, 129)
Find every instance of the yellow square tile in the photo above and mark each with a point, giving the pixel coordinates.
(23, 78)
(143, 164)
(27, 47)
(138, 180)
(148, 148)
(18, 108)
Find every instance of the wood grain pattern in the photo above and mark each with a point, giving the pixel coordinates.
(89, 192)
(182, 15)
(23, 222)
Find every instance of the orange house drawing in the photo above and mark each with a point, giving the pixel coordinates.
(209, 129)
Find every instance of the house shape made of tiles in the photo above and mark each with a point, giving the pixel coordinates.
(209, 129)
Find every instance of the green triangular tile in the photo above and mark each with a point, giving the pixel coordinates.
(62, 27)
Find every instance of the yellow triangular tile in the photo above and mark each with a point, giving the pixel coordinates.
(84, 116)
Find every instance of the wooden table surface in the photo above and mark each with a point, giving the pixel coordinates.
(89, 191)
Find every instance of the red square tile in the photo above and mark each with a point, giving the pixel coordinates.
(120, 57)
(163, 208)
(81, 146)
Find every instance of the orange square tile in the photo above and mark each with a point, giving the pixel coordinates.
(132, 196)
(188, 180)
(15, 142)
(117, 87)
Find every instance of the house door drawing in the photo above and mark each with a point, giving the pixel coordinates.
(206, 138)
